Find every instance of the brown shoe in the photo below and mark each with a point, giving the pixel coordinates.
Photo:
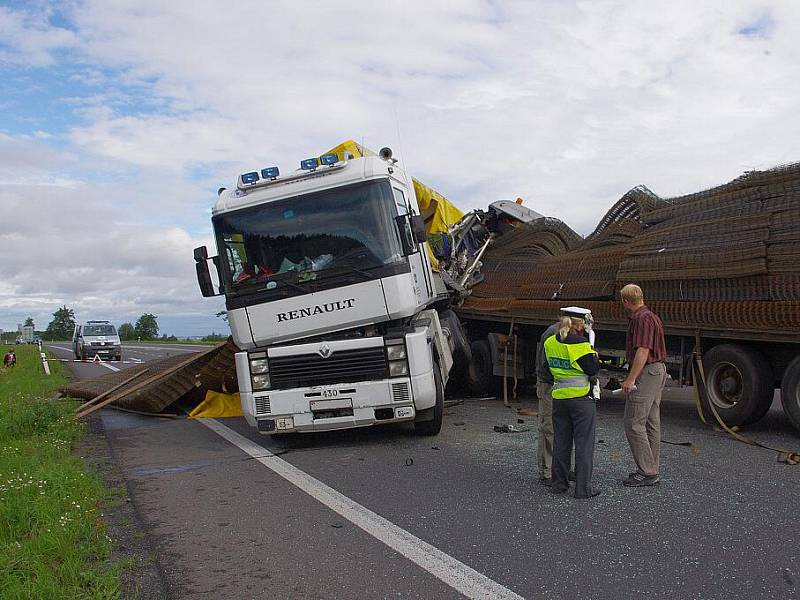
(639, 480)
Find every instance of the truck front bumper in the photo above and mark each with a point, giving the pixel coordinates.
(330, 407)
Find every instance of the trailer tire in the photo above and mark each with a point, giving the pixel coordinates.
(790, 392)
(480, 373)
(739, 383)
(433, 426)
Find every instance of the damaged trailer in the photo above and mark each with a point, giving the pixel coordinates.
(721, 267)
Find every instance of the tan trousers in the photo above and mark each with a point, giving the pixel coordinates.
(545, 455)
(643, 418)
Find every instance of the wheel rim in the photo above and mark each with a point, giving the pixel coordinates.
(725, 385)
(477, 367)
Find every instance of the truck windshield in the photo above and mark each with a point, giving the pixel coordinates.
(311, 237)
(99, 330)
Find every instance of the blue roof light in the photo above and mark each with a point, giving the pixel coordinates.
(329, 159)
(249, 177)
(309, 164)
(270, 173)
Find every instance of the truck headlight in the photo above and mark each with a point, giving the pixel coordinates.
(397, 352)
(261, 382)
(259, 365)
(398, 368)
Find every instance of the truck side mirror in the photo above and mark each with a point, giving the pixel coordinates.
(406, 234)
(203, 275)
(418, 229)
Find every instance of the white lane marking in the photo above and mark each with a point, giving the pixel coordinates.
(105, 364)
(444, 567)
(162, 348)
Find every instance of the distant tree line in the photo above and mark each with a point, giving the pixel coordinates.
(63, 325)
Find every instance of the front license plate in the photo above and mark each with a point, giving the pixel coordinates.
(284, 423)
(317, 405)
(403, 412)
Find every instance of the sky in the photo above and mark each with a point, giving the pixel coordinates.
(120, 119)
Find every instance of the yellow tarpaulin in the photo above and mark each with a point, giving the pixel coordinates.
(217, 405)
(439, 213)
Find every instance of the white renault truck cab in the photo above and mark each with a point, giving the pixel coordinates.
(329, 294)
(96, 338)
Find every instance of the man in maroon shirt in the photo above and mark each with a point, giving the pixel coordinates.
(646, 353)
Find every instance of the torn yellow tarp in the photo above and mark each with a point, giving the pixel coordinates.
(216, 405)
(437, 211)
(352, 148)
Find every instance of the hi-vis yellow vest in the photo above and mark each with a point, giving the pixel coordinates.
(569, 381)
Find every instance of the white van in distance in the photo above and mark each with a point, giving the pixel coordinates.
(96, 338)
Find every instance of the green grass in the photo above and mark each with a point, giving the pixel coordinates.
(52, 538)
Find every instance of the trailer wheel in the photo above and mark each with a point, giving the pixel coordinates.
(739, 383)
(434, 426)
(790, 392)
(480, 374)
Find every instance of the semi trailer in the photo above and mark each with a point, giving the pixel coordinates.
(721, 267)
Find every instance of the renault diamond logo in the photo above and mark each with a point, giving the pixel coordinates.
(324, 351)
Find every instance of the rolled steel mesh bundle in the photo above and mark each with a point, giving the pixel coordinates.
(633, 205)
(541, 237)
(732, 289)
(784, 287)
(619, 232)
(727, 257)
(727, 198)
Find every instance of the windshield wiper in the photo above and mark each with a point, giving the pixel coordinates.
(288, 283)
(350, 270)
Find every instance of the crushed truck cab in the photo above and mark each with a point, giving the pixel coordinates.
(331, 296)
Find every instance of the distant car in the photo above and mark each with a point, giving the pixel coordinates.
(96, 338)
(36, 339)
(20, 341)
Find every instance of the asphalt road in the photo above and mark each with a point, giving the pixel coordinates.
(227, 525)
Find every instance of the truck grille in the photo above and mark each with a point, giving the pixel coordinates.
(400, 392)
(262, 405)
(364, 364)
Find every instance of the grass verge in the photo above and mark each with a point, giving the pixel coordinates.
(52, 538)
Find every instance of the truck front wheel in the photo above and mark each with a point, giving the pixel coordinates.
(790, 392)
(480, 373)
(739, 384)
(433, 426)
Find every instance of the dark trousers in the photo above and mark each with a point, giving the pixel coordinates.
(574, 421)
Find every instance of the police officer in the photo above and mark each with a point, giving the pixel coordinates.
(572, 362)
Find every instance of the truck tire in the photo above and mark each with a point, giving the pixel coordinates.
(790, 392)
(739, 383)
(434, 426)
(480, 373)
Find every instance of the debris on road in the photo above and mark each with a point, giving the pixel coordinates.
(154, 386)
(511, 428)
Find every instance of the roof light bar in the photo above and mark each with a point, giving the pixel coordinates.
(249, 178)
(270, 173)
(329, 159)
(309, 164)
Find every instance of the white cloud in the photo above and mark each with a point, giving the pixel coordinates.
(567, 104)
(28, 40)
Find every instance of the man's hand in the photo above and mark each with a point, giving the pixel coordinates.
(628, 385)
